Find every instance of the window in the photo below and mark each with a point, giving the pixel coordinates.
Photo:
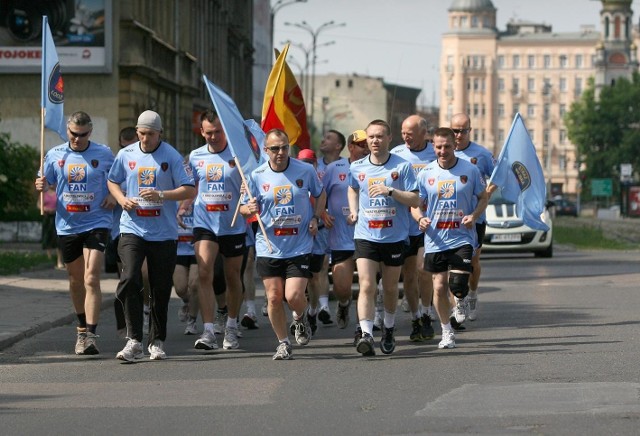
(468, 84)
(500, 135)
(350, 83)
(516, 61)
(531, 84)
(563, 136)
(500, 61)
(531, 110)
(531, 61)
(500, 110)
(337, 83)
(562, 162)
(546, 87)
(546, 109)
(563, 109)
(449, 63)
(563, 61)
(515, 86)
(516, 109)
(579, 61)
(476, 84)
(474, 21)
(547, 61)
(563, 84)
(463, 21)
(475, 110)
(545, 137)
(578, 86)
(501, 85)
(532, 135)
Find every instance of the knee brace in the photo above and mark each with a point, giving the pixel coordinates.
(459, 284)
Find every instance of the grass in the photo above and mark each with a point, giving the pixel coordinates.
(13, 262)
(586, 237)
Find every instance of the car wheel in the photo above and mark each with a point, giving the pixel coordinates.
(548, 252)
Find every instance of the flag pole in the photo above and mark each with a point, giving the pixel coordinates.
(244, 180)
(42, 114)
(235, 214)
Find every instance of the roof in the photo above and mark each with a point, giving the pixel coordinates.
(471, 6)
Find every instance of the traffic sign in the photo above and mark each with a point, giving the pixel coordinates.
(601, 187)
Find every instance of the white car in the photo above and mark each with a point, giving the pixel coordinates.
(506, 232)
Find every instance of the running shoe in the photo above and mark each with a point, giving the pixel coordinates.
(357, 335)
(191, 327)
(416, 331)
(365, 345)
(404, 305)
(80, 340)
(302, 330)
(473, 308)
(249, 321)
(207, 341)
(448, 340)
(283, 352)
(131, 351)
(461, 310)
(325, 315)
(427, 329)
(313, 323)
(378, 321)
(90, 347)
(342, 315)
(221, 321)
(456, 325)
(230, 338)
(388, 341)
(156, 350)
(183, 313)
(431, 312)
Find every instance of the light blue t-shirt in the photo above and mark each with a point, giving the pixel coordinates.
(81, 186)
(161, 169)
(336, 184)
(382, 219)
(185, 236)
(449, 194)
(418, 160)
(285, 209)
(483, 159)
(219, 184)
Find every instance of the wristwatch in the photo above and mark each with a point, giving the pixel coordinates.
(390, 192)
(161, 195)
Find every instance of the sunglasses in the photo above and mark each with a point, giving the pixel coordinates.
(277, 149)
(459, 131)
(79, 135)
(360, 144)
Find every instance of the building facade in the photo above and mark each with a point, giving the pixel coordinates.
(527, 68)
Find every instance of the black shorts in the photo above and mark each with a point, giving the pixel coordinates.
(71, 245)
(230, 245)
(481, 229)
(456, 258)
(315, 265)
(186, 261)
(339, 256)
(415, 243)
(390, 253)
(286, 268)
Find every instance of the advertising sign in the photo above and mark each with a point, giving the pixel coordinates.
(82, 33)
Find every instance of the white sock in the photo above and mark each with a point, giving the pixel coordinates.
(251, 306)
(285, 341)
(208, 326)
(445, 327)
(416, 315)
(324, 301)
(389, 319)
(312, 311)
(367, 326)
(232, 323)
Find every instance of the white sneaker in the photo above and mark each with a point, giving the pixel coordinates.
(131, 351)
(221, 322)
(448, 340)
(324, 315)
(473, 308)
(156, 350)
(404, 305)
(207, 341)
(230, 338)
(461, 310)
(183, 313)
(191, 328)
(378, 320)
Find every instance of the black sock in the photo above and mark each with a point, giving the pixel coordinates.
(82, 320)
(92, 328)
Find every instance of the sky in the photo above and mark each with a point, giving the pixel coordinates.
(399, 40)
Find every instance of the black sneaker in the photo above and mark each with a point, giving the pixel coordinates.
(388, 342)
(325, 315)
(416, 331)
(456, 325)
(365, 345)
(427, 328)
(357, 336)
(313, 322)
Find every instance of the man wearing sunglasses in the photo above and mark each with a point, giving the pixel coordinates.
(280, 191)
(336, 183)
(484, 161)
(79, 171)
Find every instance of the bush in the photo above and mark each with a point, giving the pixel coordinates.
(19, 165)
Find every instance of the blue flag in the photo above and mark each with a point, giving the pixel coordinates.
(244, 145)
(52, 86)
(260, 136)
(519, 174)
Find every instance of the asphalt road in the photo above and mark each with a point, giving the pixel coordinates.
(555, 351)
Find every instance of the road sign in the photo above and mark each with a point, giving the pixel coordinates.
(601, 187)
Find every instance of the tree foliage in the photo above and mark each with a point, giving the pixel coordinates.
(606, 130)
(18, 168)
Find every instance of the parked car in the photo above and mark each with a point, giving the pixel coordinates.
(506, 232)
(564, 207)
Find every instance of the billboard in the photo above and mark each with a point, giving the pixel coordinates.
(82, 33)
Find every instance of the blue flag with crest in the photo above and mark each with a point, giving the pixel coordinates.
(52, 86)
(519, 175)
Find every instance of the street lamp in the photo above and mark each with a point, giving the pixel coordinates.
(273, 11)
(314, 46)
(307, 62)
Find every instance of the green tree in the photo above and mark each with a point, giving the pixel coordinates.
(18, 168)
(606, 130)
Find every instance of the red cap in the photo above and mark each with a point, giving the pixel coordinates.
(307, 153)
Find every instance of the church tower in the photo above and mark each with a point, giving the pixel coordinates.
(616, 54)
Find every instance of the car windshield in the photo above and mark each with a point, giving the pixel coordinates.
(497, 198)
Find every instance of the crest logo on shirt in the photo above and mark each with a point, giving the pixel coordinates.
(232, 163)
(447, 193)
(61, 163)
(164, 166)
(95, 163)
(215, 173)
(200, 163)
(265, 187)
(147, 177)
(342, 177)
(464, 179)
(431, 181)
(132, 165)
(77, 177)
(394, 175)
(361, 177)
(299, 183)
(474, 160)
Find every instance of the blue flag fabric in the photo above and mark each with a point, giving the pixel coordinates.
(52, 85)
(260, 136)
(244, 145)
(519, 174)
